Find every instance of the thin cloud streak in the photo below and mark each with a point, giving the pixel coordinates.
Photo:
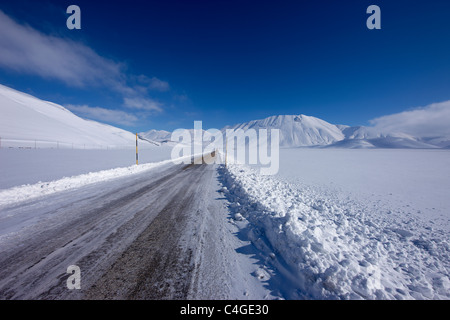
(143, 104)
(104, 115)
(26, 50)
(29, 51)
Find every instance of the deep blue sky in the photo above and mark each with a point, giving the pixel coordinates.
(226, 62)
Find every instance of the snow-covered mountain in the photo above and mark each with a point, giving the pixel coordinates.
(440, 141)
(307, 131)
(156, 135)
(371, 137)
(165, 137)
(302, 130)
(27, 118)
(297, 130)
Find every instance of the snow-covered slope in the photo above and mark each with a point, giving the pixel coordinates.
(165, 137)
(441, 141)
(370, 137)
(27, 118)
(156, 135)
(297, 130)
(380, 241)
(301, 130)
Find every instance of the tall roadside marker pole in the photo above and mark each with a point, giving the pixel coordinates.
(226, 151)
(136, 149)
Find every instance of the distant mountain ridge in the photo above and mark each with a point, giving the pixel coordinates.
(159, 136)
(297, 130)
(27, 118)
(307, 131)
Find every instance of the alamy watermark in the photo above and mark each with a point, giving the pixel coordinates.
(74, 20)
(74, 280)
(255, 147)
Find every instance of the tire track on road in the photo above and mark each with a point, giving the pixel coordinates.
(35, 268)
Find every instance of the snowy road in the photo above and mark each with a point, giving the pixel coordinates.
(165, 231)
(132, 238)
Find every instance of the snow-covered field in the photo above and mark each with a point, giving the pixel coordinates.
(349, 224)
(332, 224)
(29, 166)
(409, 181)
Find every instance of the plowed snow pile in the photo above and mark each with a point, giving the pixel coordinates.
(326, 247)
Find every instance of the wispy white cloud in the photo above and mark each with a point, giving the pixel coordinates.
(143, 104)
(29, 51)
(105, 115)
(145, 83)
(157, 84)
(430, 121)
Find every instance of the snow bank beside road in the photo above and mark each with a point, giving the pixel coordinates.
(29, 166)
(30, 191)
(330, 248)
